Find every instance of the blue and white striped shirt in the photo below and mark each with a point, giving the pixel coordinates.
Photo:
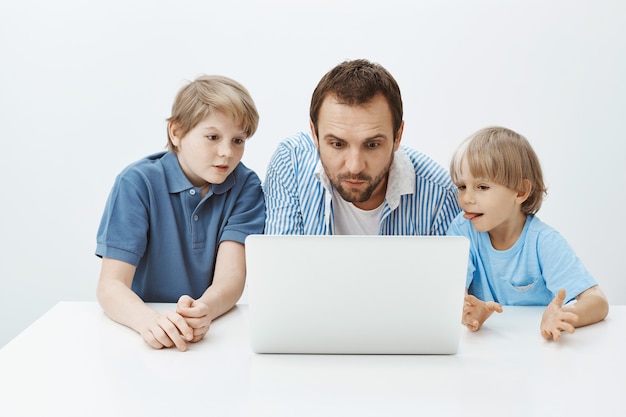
(420, 199)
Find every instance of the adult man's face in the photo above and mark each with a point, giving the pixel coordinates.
(356, 146)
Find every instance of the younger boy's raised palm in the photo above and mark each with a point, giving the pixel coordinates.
(555, 320)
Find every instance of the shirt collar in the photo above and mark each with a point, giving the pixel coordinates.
(178, 182)
(401, 178)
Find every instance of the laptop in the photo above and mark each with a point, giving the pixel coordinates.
(355, 294)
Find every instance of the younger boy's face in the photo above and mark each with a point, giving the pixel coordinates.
(491, 207)
(210, 151)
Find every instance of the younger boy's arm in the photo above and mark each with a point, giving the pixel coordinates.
(226, 289)
(591, 306)
(122, 305)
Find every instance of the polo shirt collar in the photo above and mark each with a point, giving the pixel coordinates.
(401, 178)
(178, 182)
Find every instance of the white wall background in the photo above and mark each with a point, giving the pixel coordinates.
(85, 88)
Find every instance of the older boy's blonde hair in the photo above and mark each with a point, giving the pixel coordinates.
(207, 94)
(505, 157)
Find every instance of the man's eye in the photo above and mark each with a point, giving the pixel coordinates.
(372, 145)
(336, 144)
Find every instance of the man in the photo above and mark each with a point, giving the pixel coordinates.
(350, 175)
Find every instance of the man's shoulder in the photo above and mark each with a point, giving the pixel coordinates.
(295, 151)
(298, 143)
(427, 168)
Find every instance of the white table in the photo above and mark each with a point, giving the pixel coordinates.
(74, 361)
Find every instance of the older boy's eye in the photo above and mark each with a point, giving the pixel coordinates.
(239, 141)
(483, 187)
(461, 187)
(212, 137)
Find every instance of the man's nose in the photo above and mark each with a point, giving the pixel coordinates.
(355, 163)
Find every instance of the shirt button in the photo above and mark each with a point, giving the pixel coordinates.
(192, 192)
(195, 217)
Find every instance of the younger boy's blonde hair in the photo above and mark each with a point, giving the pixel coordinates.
(505, 157)
(206, 95)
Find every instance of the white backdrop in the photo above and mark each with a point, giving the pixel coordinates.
(85, 88)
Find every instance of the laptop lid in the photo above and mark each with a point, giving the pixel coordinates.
(356, 294)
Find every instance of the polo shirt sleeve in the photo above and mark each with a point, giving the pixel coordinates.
(248, 214)
(123, 231)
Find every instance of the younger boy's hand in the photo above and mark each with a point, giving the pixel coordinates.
(476, 312)
(555, 320)
(196, 314)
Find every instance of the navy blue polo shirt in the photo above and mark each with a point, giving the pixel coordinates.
(156, 220)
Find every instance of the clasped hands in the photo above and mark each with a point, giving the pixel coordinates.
(189, 323)
(553, 322)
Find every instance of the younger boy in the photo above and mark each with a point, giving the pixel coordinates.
(515, 258)
(174, 225)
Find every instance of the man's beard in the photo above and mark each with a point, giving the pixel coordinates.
(362, 197)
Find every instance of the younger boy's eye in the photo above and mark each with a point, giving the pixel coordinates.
(239, 141)
(212, 137)
(461, 187)
(483, 187)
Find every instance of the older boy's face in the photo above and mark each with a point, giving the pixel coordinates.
(210, 151)
(356, 146)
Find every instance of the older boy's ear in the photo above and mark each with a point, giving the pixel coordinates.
(525, 193)
(172, 130)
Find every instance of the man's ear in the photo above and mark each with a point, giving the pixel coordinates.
(398, 138)
(523, 195)
(314, 134)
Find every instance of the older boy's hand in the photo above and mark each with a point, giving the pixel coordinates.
(166, 329)
(555, 320)
(196, 314)
(476, 311)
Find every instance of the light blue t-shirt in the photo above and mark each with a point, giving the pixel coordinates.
(156, 220)
(531, 272)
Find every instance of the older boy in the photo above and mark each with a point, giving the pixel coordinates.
(174, 225)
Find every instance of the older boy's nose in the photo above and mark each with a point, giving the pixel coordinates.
(224, 148)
